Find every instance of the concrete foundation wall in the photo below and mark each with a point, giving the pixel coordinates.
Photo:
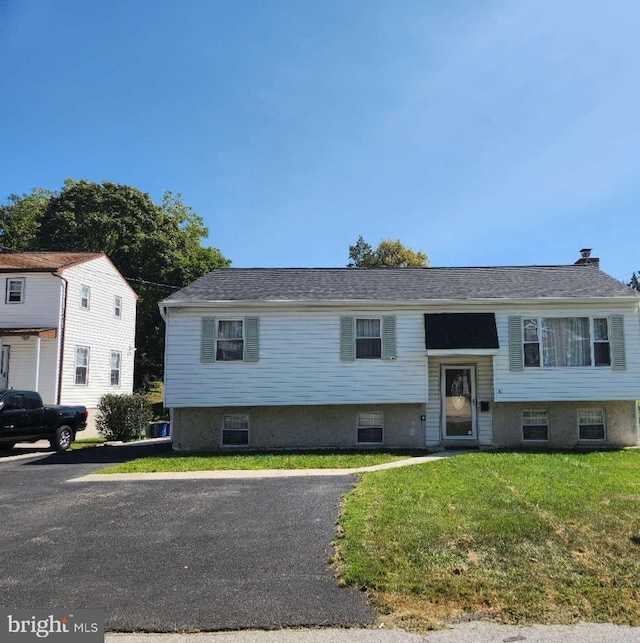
(621, 423)
(297, 426)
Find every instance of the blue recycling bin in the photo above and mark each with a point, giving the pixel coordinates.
(159, 430)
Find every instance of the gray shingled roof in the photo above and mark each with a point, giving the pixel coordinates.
(395, 284)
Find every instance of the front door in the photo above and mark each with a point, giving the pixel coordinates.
(4, 367)
(458, 386)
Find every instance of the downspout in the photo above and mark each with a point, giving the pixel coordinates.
(173, 420)
(63, 326)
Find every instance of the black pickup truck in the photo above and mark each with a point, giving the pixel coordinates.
(23, 418)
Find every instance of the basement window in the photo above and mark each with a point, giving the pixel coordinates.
(370, 428)
(235, 431)
(591, 423)
(535, 426)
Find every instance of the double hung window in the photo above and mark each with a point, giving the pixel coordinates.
(368, 339)
(15, 291)
(82, 365)
(85, 297)
(116, 368)
(230, 342)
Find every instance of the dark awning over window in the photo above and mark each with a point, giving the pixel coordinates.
(460, 330)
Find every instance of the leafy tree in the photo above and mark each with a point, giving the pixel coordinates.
(635, 281)
(390, 253)
(158, 248)
(20, 219)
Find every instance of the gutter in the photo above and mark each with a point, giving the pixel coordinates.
(405, 303)
(63, 326)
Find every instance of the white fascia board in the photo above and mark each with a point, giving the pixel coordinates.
(410, 303)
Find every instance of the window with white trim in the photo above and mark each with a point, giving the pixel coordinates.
(235, 431)
(15, 291)
(535, 425)
(591, 424)
(368, 339)
(116, 368)
(82, 365)
(370, 428)
(117, 307)
(85, 297)
(560, 341)
(230, 341)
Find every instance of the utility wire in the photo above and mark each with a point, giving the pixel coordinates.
(136, 279)
(152, 283)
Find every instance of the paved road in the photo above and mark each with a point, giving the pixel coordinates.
(171, 555)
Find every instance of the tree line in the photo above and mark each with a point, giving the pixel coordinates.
(158, 247)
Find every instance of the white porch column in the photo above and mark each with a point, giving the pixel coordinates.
(35, 388)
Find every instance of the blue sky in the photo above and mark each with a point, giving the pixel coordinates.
(482, 132)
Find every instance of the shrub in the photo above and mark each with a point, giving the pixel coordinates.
(123, 417)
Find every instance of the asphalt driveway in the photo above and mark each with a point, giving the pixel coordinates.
(171, 555)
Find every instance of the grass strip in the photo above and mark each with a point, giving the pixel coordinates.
(518, 537)
(192, 461)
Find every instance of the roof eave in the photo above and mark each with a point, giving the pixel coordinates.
(290, 303)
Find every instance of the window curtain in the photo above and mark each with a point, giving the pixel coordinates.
(367, 328)
(566, 341)
(230, 330)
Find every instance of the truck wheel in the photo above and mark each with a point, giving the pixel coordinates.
(62, 439)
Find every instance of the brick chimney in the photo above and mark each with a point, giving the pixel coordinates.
(586, 258)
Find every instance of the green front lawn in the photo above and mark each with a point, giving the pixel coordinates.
(519, 537)
(85, 443)
(193, 461)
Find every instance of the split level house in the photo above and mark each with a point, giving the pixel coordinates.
(67, 327)
(427, 357)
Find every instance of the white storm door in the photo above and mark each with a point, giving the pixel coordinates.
(458, 393)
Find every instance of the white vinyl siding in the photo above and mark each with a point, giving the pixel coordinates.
(41, 303)
(40, 308)
(557, 384)
(22, 365)
(98, 329)
(299, 363)
(484, 393)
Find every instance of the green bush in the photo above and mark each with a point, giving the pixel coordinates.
(123, 417)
